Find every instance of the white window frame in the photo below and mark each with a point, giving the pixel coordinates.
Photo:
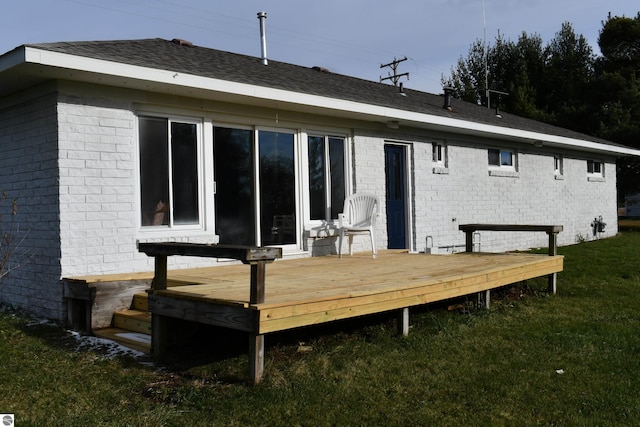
(440, 157)
(170, 229)
(510, 171)
(558, 166)
(439, 154)
(592, 173)
(326, 136)
(591, 168)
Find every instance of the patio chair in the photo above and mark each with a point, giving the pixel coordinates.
(358, 217)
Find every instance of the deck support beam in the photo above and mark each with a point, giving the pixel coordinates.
(403, 322)
(159, 322)
(159, 336)
(256, 358)
(484, 299)
(256, 341)
(553, 251)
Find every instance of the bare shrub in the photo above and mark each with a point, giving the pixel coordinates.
(13, 254)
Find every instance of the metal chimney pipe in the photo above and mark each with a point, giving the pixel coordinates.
(263, 37)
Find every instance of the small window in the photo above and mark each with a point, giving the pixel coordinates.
(557, 165)
(595, 168)
(327, 180)
(439, 158)
(501, 159)
(439, 154)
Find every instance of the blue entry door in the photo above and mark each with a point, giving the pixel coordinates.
(395, 172)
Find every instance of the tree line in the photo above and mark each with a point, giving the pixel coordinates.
(564, 83)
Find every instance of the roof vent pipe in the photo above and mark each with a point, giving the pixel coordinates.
(262, 16)
(448, 93)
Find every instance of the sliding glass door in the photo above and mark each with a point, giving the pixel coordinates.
(255, 187)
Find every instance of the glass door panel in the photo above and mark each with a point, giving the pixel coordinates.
(235, 189)
(277, 188)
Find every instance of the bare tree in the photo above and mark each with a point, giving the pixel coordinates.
(12, 252)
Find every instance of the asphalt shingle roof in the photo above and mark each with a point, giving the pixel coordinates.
(217, 64)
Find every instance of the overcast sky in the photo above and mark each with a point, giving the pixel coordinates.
(351, 37)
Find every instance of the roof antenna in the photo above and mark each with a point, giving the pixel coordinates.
(262, 16)
(486, 56)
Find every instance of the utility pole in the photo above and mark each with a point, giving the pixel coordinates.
(395, 77)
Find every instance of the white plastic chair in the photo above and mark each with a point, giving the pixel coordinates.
(358, 217)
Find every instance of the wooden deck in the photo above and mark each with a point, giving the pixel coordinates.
(311, 291)
(321, 289)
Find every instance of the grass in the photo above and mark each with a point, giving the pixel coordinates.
(532, 359)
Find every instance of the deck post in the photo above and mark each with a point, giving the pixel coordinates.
(256, 341)
(158, 336)
(158, 322)
(256, 358)
(553, 251)
(403, 322)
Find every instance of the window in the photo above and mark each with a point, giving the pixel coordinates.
(169, 170)
(439, 158)
(326, 159)
(501, 159)
(558, 166)
(595, 168)
(439, 154)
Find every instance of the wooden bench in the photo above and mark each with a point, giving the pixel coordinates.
(551, 230)
(256, 257)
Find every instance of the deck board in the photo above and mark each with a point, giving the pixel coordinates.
(308, 291)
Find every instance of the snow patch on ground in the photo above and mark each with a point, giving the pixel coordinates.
(105, 346)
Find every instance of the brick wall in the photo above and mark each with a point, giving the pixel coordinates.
(29, 172)
(99, 207)
(465, 192)
(97, 186)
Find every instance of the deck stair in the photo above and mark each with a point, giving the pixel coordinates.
(131, 327)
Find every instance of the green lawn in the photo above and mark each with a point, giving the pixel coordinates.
(567, 360)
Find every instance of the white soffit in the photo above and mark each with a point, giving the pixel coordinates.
(151, 77)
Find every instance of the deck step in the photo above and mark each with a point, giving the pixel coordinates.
(133, 320)
(134, 340)
(140, 302)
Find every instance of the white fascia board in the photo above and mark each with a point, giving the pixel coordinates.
(11, 59)
(374, 112)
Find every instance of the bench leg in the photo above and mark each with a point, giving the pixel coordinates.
(256, 358)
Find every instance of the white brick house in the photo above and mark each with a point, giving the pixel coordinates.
(105, 144)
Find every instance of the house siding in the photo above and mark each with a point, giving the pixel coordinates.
(97, 186)
(99, 204)
(465, 192)
(72, 161)
(29, 172)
